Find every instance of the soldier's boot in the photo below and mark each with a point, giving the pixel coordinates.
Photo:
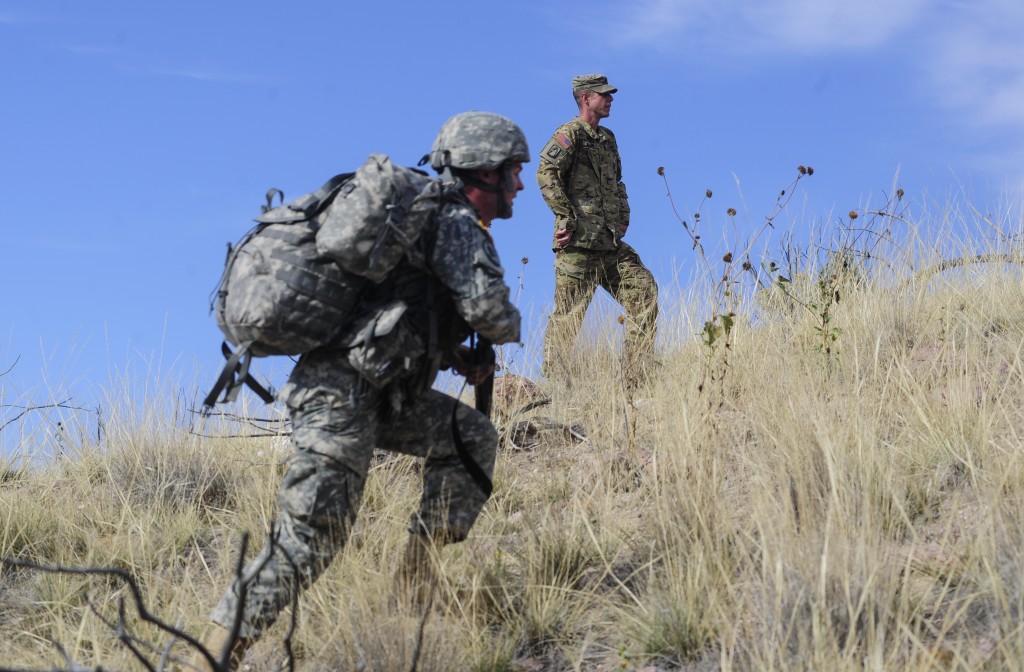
(217, 643)
(416, 578)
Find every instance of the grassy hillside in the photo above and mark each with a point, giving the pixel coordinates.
(828, 476)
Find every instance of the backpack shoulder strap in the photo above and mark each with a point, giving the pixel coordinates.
(235, 374)
(304, 207)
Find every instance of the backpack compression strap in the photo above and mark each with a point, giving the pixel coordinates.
(235, 374)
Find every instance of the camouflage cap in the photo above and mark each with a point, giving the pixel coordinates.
(595, 83)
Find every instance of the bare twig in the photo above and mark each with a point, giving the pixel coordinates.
(134, 644)
(258, 423)
(25, 410)
(422, 626)
(11, 368)
(133, 586)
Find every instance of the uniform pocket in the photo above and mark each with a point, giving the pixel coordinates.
(385, 346)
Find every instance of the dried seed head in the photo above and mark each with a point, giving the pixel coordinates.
(525, 261)
(622, 319)
(708, 193)
(727, 258)
(661, 170)
(747, 266)
(731, 212)
(810, 171)
(899, 194)
(696, 216)
(853, 214)
(803, 171)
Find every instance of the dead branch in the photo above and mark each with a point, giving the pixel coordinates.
(260, 424)
(994, 258)
(25, 410)
(143, 650)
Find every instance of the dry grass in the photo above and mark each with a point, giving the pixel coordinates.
(860, 509)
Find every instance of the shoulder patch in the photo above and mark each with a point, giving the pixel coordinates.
(557, 150)
(487, 258)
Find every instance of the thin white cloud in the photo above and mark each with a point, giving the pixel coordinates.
(198, 74)
(652, 22)
(135, 63)
(967, 56)
(11, 18)
(92, 50)
(786, 25)
(972, 59)
(837, 25)
(976, 62)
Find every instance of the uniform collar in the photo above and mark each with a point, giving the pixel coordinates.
(592, 132)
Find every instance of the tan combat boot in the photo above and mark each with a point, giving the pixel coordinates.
(416, 577)
(216, 642)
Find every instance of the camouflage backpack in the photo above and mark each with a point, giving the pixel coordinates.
(293, 282)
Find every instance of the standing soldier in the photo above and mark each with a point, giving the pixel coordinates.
(580, 177)
(452, 284)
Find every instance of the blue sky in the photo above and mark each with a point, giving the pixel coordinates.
(140, 137)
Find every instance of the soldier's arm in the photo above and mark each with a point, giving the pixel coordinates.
(465, 260)
(623, 206)
(621, 186)
(553, 174)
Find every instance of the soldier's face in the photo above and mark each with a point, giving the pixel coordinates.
(497, 204)
(598, 103)
(512, 178)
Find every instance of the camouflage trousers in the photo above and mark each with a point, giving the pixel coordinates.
(336, 424)
(578, 274)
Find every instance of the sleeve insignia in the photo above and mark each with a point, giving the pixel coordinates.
(557, 150)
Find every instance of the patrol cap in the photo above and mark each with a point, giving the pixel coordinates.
(595, 83)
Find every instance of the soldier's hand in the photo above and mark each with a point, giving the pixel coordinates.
(563, 236)
(462, 362)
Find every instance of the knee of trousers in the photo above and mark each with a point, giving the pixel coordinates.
(342, 435)
(320, 493)
(480, 437)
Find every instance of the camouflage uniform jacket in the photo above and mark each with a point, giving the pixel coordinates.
(452, 283)
(580, 177)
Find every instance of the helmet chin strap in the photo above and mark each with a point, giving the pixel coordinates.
(507, 184)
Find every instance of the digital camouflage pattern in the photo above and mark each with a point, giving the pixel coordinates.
(376, 216)
(580, 178)
(578, 274)
(339, 417)
(336, 427)
(279, 293)
(478, 140)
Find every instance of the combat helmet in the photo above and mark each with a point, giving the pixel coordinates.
(478, 141)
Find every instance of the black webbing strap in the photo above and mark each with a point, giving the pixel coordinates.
(235, 374)
(483, 355)
(480, 477)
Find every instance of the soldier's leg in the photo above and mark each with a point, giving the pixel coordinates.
(333, 432)
(452, 499)
(633, 286)
(575, 284)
